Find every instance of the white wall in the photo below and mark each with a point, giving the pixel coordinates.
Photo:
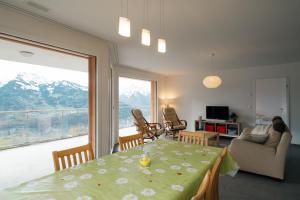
(41, 30)
(129, 72)
(237, 91)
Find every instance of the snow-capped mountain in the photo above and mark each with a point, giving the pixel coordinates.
(32, 78)
(133, 87)
(30, 91)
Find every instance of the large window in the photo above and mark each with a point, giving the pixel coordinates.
(47, 103)
(133, 93)
(39, 104)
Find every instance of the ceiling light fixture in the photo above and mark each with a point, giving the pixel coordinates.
(27, 54)
(212, 81)
(146, 36)
(161, 43)
(124, 22)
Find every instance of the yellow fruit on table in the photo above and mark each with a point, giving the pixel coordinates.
(145, 162)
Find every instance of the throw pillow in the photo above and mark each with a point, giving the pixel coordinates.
(248, 135)
(261, 129)
(273, 139)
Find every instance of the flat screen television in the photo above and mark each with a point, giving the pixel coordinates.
(217, 112)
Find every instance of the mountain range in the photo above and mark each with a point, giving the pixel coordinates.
(32, 92)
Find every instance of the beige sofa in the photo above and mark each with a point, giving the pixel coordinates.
(260, 159)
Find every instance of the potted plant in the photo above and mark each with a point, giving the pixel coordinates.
(234, 116)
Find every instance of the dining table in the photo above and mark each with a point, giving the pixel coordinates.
(175, 172)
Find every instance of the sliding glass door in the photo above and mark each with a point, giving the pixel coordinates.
(135, 93)
(47, 103)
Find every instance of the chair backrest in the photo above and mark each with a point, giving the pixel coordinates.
(73, 156)
(203, 187)
(139, 119)
(224, 152)
(190, 137)
(212, 189)
(131, 141)
(169, 114)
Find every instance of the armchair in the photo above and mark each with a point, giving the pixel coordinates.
(149, 130)
(171, 121)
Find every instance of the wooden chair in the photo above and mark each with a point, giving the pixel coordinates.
(171, 121)
(131, 141)
(71, 157)
(224, 152)
(149, 130)
(213, 187)
(190, 137)
(203, 187)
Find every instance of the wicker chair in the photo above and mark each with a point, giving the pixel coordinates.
(149, 130)
(171, 121)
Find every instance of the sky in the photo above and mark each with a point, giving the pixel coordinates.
(9, 70)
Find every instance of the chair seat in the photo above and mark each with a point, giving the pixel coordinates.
(179, 127)
(158, 131)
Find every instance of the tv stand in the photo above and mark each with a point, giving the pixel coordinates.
(224, 128)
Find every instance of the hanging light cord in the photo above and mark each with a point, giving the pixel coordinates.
(127, 8)
(145, 17)
(122, 8)
(147, 12)
(211, 59)
(162, 17)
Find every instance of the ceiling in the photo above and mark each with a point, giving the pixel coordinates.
(11, 51)
(242, 33)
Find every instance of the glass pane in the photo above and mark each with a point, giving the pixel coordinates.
(39, 104)
(133, 93)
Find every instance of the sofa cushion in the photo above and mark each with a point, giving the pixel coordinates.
(273, 139)
(258, 135)
(257, 138)
(261, 129)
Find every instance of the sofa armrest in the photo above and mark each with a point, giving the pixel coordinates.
(283, 145)
(250, 154)
(251, 148)
(281, 152)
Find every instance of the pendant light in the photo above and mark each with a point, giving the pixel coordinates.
(161, 43)
(124, 22)
(146, 36)
(212, 81)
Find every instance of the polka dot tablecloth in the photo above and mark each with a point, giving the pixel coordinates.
(175, 172)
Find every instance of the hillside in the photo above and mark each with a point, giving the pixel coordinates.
(29, 93)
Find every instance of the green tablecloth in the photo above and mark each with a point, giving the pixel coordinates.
(175, 173)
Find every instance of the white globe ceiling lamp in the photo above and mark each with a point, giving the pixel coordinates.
(124, 22)
(212, 81)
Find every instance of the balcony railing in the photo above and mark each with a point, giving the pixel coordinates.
(19, 128)
(126, 118)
